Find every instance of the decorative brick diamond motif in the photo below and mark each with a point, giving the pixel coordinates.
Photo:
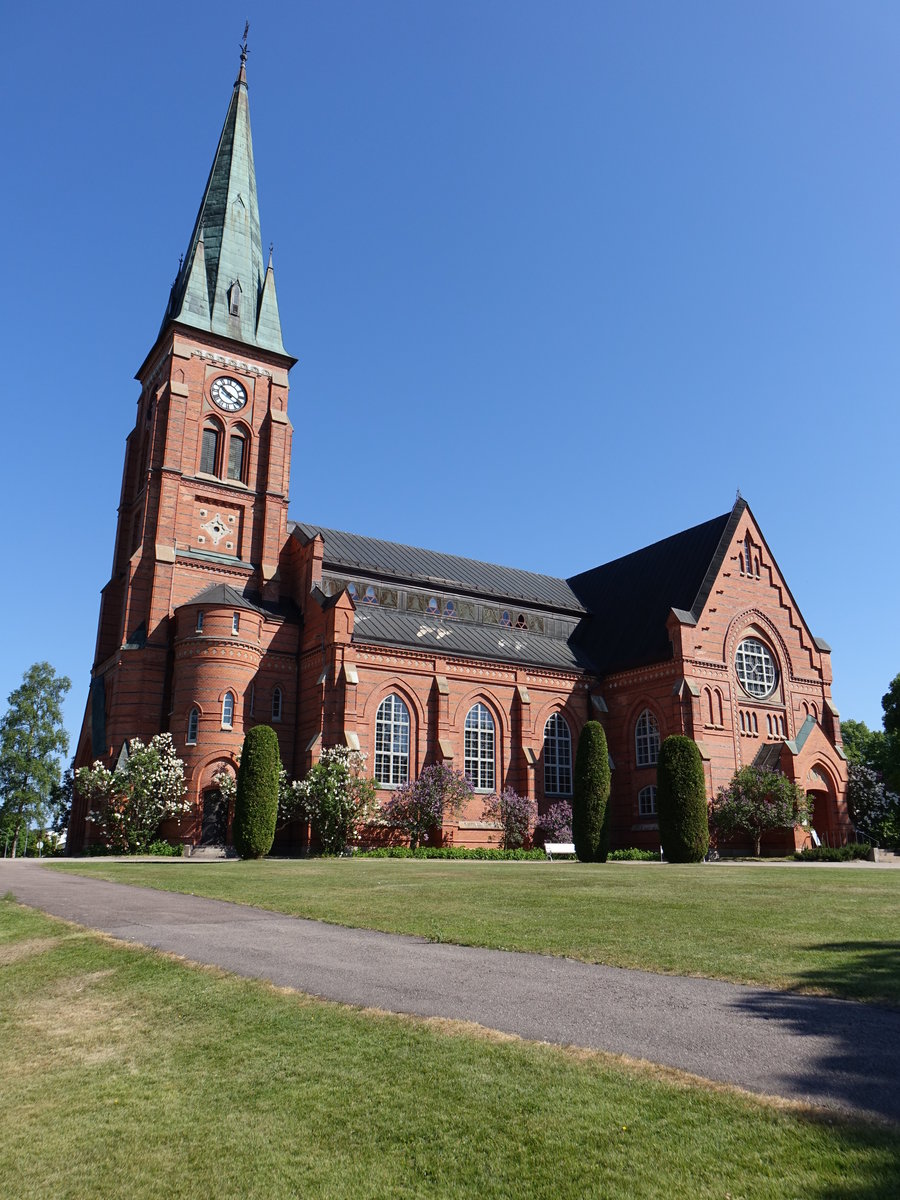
(216, 528)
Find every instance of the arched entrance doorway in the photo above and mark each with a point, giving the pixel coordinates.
(215, 817)
(823, 814)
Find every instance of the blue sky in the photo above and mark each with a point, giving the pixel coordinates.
(560, 278)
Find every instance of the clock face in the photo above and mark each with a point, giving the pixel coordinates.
(228, 394)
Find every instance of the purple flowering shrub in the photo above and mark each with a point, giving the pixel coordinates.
(755, 802)
(555, 825)
(421, 805)
(515, 813)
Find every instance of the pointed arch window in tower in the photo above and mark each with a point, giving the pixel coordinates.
(209, 450)
(228, 710)
(193, 726)
(236, 454)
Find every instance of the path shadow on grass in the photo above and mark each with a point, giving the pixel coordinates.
(858, 1064)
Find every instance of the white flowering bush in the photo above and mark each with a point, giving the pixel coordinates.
(336, 797)
(128, 805)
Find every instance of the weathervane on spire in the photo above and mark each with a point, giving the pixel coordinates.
(244, 50)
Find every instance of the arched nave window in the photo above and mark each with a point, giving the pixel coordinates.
(646, 739)
(557, 757)
(392, 741)
(479, 748)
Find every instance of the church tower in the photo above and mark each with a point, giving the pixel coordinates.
(204, 495)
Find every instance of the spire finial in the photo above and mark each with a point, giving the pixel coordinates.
(738, 496)
(244, 50)
(271, 252)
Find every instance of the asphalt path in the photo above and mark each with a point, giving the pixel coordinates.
(829, 1053)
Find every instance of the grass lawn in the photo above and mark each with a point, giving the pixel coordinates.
(828, 930)
(125, 1073)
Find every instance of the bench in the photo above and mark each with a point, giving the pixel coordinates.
(551, 848)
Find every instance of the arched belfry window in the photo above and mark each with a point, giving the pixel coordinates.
(479, 748)
(193, 727)
(228, 710)
(646, 739)
(557, 757)
(237, 455)
(234, 299)
(209, 449)
(392, 741)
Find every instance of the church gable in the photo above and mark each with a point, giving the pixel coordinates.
(743, 590)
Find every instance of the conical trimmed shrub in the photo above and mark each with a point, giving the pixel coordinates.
(590, 816)
(256, 799)
(681, 804)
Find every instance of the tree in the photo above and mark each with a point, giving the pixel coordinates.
(890, 703)
(336, 797)
(873, 807)
(756, 801)
(681, 804)
(876, 749)
(516, 814)
(128, 805)
(256, 798)
(590, 796)
(31, 739)
(862, 744)
(421, 805)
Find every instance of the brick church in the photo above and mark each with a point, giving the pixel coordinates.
(222, 612)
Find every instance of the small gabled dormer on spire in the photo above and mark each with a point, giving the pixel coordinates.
(221, 286)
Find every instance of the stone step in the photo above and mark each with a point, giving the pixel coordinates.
(208, 853)
(885, 856)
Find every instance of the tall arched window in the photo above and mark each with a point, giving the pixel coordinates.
(209, 449)
(646, 739)
(392, 741)
(557, 757)
(228, 710)
(193, 726)
(276, 704)
(236, 452)
(479, 748)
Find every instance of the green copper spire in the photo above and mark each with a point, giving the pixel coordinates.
(222, 285)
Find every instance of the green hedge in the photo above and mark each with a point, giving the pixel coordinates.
(833, 853)
(590, 807)
(632, 854)
(476, 852)
(681, 804)
(256, 799)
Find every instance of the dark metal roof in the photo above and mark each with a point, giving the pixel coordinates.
(385, 626)
(431, 568)
(222, 594)
(629, 599)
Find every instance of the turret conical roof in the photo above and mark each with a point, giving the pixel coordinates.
(223, 285)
